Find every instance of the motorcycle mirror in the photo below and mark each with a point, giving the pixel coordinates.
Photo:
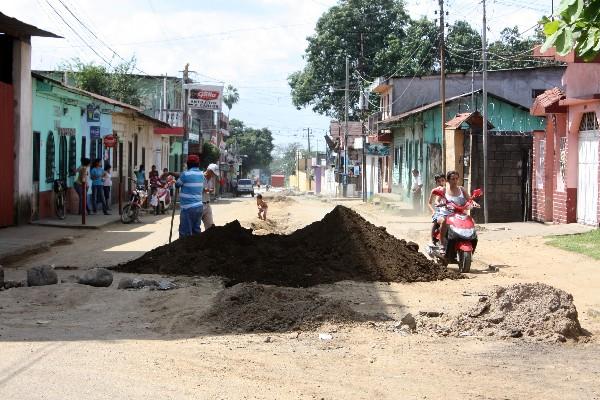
(477, 193)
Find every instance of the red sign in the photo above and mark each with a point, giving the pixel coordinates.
(110, 141)
(206, 94)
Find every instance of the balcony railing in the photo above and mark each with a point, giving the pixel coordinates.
(171, 117)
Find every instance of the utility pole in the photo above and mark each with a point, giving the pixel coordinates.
(364, 107)
(185, 113)
(485, 118)
(443, 84)
(346, 102)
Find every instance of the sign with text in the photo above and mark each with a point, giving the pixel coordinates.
(66, 131)
(94, 132)
(110, 141)
(378, 149)
(204, 97)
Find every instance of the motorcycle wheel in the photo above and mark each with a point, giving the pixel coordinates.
(60, 205)
(464, 261)
(127, 214)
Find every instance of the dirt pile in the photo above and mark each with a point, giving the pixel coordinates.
(250, 307)
(524, 309)
(342, 246)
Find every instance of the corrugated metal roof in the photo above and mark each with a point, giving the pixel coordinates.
(546, 99)
(472, 118)
(14, 27)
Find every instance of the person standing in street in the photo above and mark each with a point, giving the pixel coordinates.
(107, 184)
(140, 176)
(81, 184)
(416, 189)
(191, 185)
(210, 177)
(98, 188)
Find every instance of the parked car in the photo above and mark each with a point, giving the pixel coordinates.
(244, 186)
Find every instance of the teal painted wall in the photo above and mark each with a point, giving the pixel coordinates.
(54, 107)
(417, 132)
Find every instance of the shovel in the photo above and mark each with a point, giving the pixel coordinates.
(173, 214)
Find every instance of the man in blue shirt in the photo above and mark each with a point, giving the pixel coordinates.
(98, 187)
(191, 184)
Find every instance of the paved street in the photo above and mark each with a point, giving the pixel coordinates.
(141, 350)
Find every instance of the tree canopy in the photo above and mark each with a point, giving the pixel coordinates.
(381, 40)
(577, 27)
(285, 159)
(117, 82)
(230, 97)
(256, 144)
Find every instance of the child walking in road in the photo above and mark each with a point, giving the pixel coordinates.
(262, 207)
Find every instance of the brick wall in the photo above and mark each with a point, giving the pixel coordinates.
(508, 160)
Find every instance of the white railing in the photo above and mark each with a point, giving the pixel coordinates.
(171, 117)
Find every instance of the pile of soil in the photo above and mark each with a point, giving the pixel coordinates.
(342, 246)
(520, 310)
(250, 307)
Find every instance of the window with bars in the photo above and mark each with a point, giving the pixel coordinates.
(72, 155)
(50, 157)
(589, 122)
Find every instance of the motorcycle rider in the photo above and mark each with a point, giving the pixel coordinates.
(456, 194)
(437, 204)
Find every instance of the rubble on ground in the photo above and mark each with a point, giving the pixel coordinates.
(534, 310)
(98, 277)
(41, 276)
(140, 283)
(251, 307)
(341, 246)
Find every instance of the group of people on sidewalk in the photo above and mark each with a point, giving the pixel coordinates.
(101, 184)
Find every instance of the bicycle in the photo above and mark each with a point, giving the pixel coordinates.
(59, 198)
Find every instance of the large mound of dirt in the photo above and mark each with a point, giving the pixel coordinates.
(342, 246)
(250, 307)
(524, 309)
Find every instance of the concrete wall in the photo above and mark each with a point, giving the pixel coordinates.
(23, 139)
(513, 85)
(507, 171)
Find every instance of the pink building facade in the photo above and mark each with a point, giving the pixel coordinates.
(566, 172)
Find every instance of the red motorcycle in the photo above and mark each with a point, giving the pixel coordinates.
(461, 237)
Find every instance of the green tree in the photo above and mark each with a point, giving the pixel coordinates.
(285, 159)
(359, 29)
(118, 82)
(256, 144)
(230, 97)
(210, 154)
(577, 27)
(463, 45)
(512, 50)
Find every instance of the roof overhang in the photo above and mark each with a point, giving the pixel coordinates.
(174, 131)
(575, 101)
(473, 119)
(14, 27)
(548, 103)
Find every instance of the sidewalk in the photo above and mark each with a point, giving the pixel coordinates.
(74, 221)
(18, 241)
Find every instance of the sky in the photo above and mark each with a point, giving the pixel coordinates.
(252, 44)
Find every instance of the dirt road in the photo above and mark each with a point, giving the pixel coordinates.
(70, 341)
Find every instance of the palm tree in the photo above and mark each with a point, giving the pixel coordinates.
(230, 97)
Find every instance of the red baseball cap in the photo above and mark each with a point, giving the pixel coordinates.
(192, 158)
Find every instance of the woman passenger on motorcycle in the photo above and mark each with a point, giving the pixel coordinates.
(436, 204)
(457, 195)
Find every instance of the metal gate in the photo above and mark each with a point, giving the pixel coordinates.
(587, 185)
(7, 139)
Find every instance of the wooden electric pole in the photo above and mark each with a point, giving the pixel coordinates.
(443, 84)
(485, 117)
(185, 114)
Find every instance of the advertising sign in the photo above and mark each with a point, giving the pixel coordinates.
(93, 113)
(378, 149)
(109, 141)
(204, 97)
(94, 132)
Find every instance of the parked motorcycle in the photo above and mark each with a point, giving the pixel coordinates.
(131, 210)
(461, 237)
(162, 202)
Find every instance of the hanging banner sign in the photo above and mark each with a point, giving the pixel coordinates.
(378, 149)
(204, 97)
(93, 113)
